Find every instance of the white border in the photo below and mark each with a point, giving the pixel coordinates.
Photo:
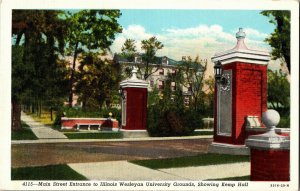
(5, 69)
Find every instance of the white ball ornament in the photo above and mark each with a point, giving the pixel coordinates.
(270, 118)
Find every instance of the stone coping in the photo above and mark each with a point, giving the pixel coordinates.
(87, 118)
(269, 140)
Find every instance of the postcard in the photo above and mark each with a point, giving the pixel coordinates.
(148, 95)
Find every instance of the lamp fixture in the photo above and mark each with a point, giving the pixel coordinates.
(218, 70)
(121, 93)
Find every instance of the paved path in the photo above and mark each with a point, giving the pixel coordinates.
(40, 130)
(123, 170)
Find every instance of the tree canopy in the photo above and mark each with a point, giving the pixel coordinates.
(280, 39)
(90, 30)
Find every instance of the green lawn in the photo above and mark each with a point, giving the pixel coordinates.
(24, 134)
(196, 133)
(199, 160)
(96, 135)
(238, 178)
(51, 172)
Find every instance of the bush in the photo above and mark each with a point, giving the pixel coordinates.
(284, 122)
(164, 121)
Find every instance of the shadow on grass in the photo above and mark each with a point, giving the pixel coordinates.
(51, 172)
(24, 134)
(199, 160)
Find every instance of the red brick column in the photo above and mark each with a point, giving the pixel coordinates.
(270, 165)
(270, 152)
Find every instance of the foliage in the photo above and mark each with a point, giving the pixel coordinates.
(90, 31)
(97, 81)
(199, 160)
(150, 47)
(24, 134)
(37, 41)
(192, 77)
(108, 135)
(167, 114)
(284, 121)
(279, 91)
(280, 39)
(129, 49)
(79, 112)
(57, 172)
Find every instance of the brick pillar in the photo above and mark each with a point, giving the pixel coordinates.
(134, 106)
(270, 152)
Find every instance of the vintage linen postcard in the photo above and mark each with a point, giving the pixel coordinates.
(149, 95)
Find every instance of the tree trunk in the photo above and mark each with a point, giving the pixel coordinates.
(16, 116)
(51, 115)
(72, 75)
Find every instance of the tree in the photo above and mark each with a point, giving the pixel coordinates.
(90, 30)
(129, 49)
(38, 38)
(192, 77)
(150, 47)
(278, 91)
(98, 80)
(280, 38)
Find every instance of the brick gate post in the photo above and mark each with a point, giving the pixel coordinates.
(270, 152)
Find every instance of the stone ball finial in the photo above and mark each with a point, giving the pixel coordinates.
(240, 34)
(271, 118)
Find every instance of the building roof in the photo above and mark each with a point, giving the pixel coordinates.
(159, 60)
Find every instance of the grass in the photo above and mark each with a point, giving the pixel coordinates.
(45, 118)
(100, 135)
(196, 133)
(237, 178)
(24, 134)
(51, 172)
(199, 160)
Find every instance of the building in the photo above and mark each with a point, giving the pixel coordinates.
(162, 67)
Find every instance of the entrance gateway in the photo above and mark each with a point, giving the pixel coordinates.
(134, 93)
(240, 96)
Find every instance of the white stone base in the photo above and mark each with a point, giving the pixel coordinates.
(222, 148)
(134, 133)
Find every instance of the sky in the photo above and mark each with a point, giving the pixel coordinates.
(193, 32)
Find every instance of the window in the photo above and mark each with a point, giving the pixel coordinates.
(151, 83)
(173, 86)
(190, 87)
(186, 100)
(161, 71)
(161, 85)
(173, 72)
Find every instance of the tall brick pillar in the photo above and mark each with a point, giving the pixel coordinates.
(134, 106)
(270, 152)
(244, 94)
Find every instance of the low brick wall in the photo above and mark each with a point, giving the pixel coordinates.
(71, 123)
(270, 165)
